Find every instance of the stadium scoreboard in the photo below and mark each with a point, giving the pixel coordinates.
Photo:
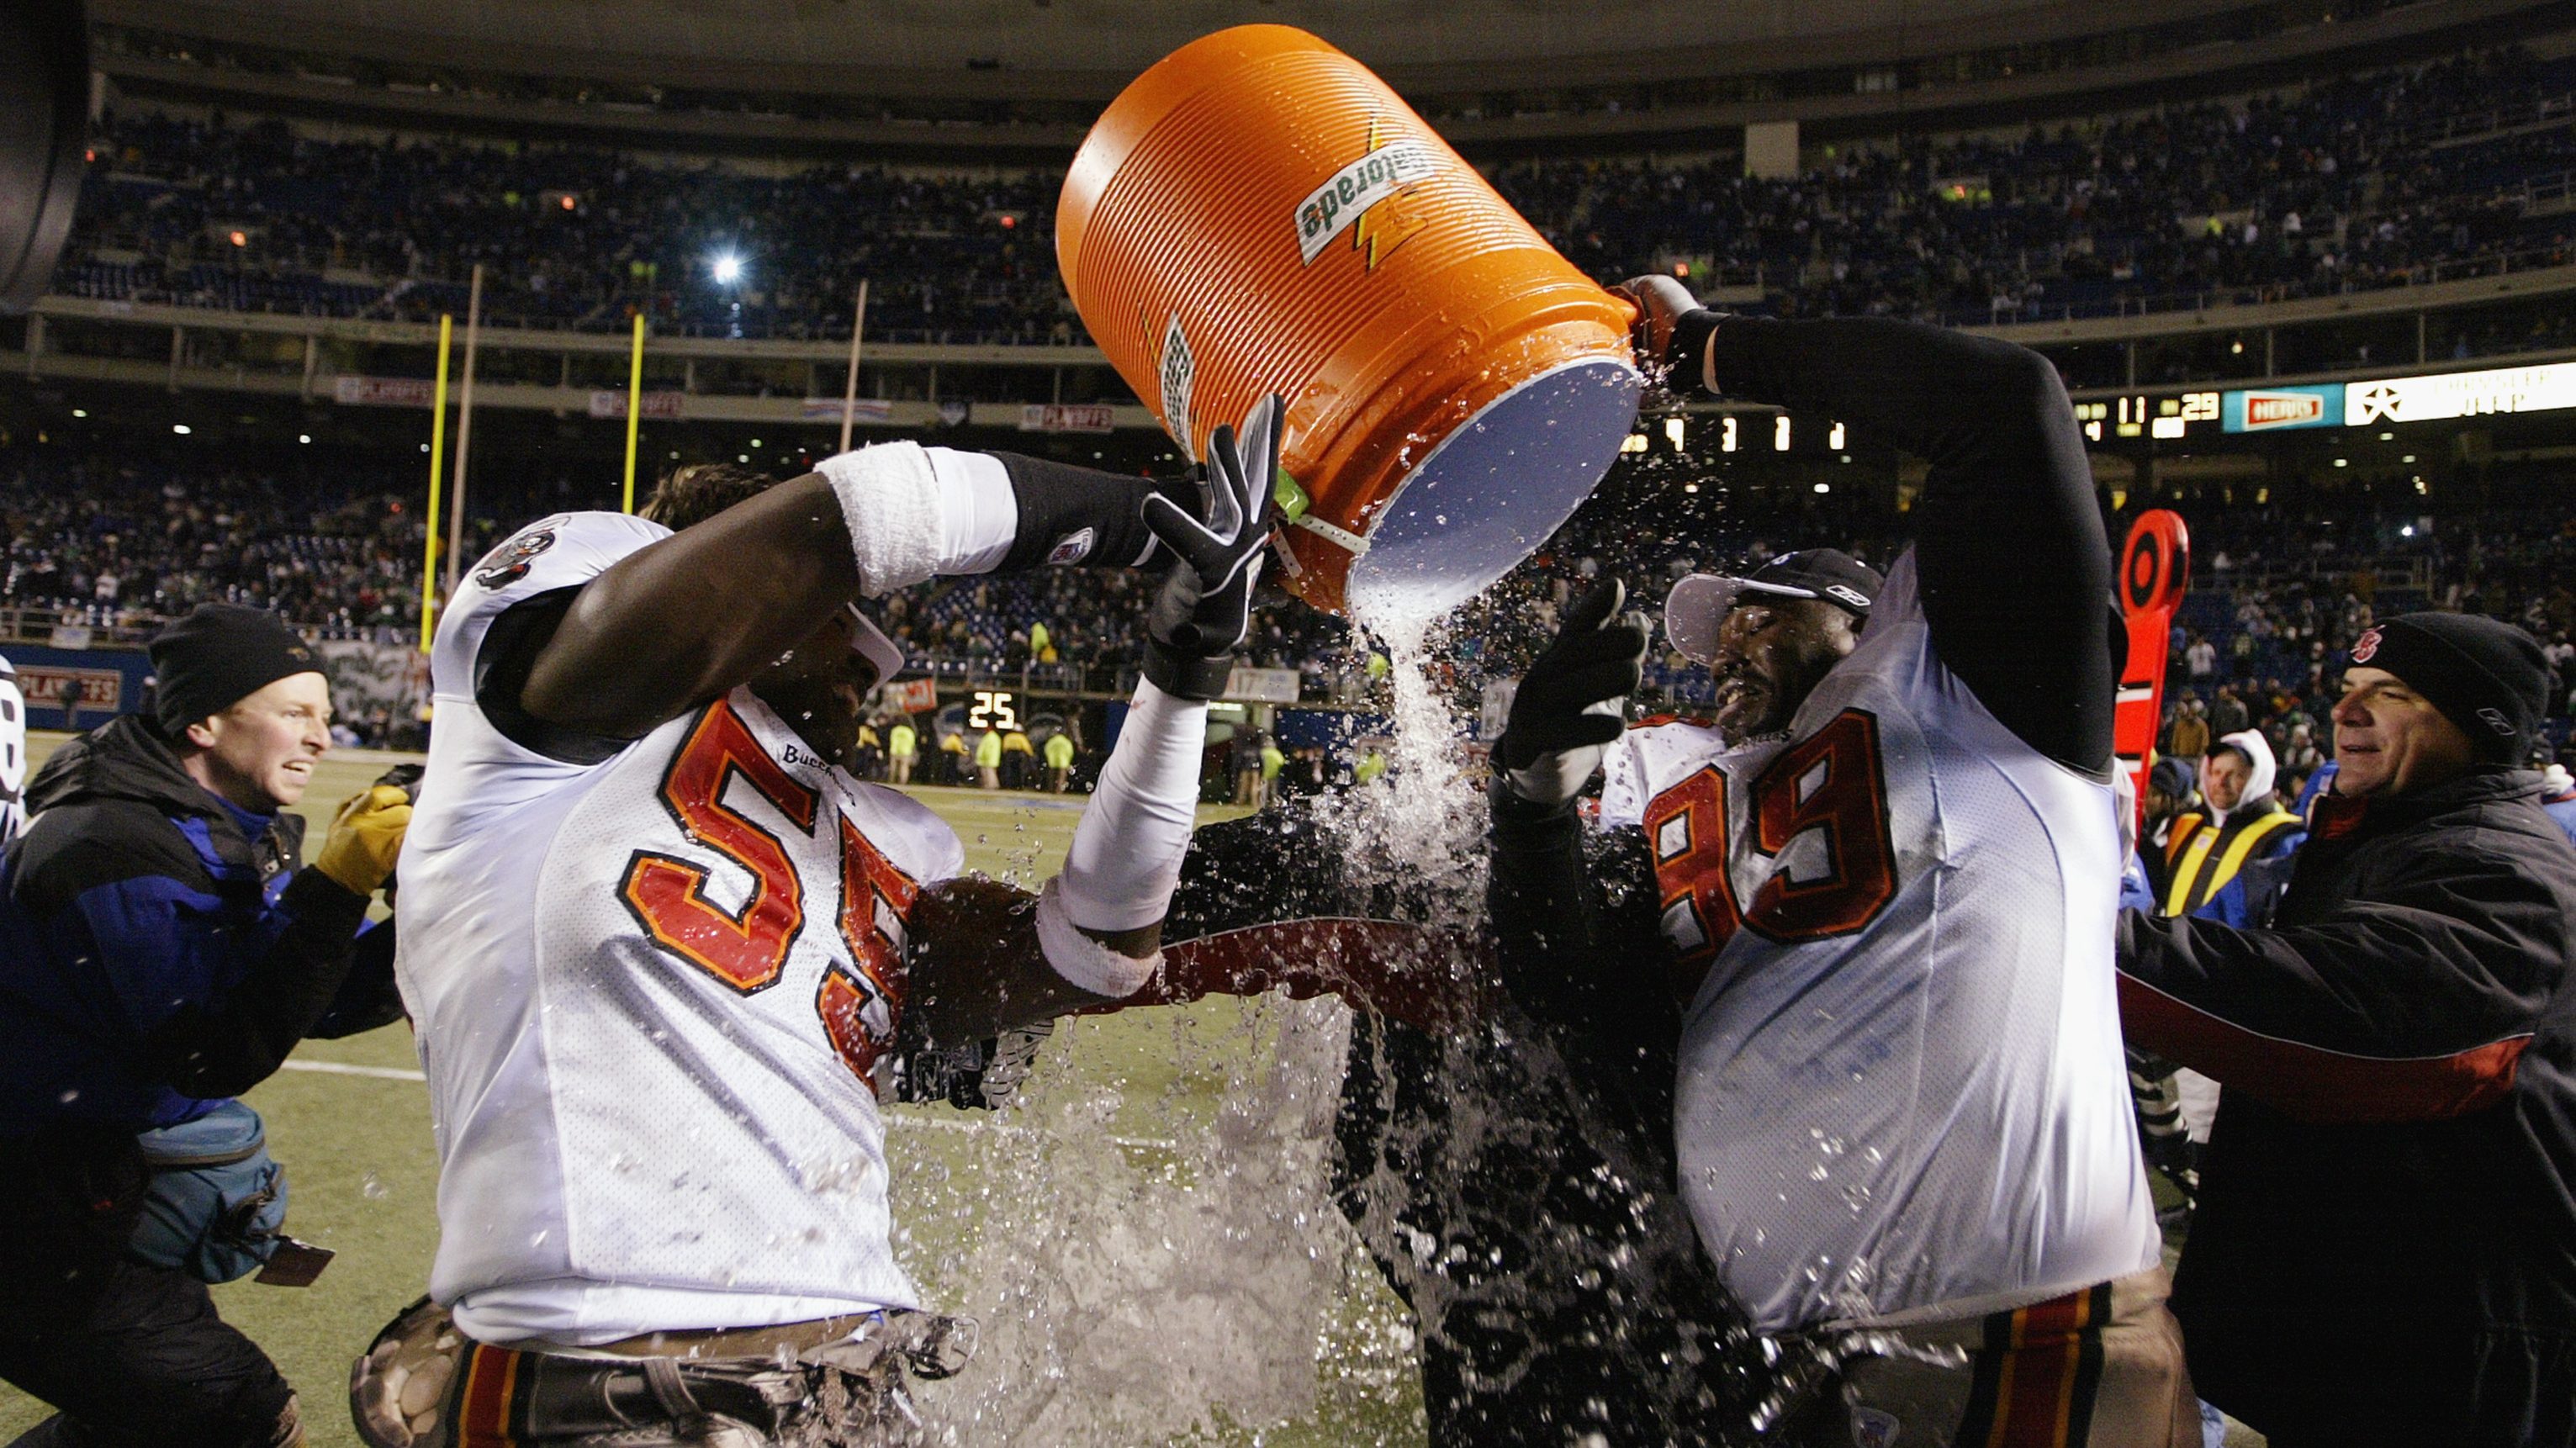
(2140, 414)
(2383, 401)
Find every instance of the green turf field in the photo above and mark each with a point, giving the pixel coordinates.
(351, 1121)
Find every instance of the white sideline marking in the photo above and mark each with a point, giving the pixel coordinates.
(343, 1068)
(907, 1120)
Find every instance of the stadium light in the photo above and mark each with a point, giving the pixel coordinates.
(80, 412)
(180, 428)
(1824, 487)
(304, 437)
(728, 269)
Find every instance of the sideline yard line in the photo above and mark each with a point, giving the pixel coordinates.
(925, 1123)
(344, 1068)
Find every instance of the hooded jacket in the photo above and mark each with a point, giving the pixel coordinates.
(159, 951)
(2206, 849)
(2385, 1244)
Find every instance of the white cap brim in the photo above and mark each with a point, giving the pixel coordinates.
(870, 643)
(1699, 604)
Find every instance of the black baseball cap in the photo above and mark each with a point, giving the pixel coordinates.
(1699, 603)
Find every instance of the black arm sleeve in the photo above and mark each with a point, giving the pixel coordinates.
(1578, 948)
(2009, 553)
(1059, 502)
(226, 1049)
(509, 651)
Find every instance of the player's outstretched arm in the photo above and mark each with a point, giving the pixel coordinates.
(1263, 904)
(684, 619)
(2010, 556)
(1097, 927)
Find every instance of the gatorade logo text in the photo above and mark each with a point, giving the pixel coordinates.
(1332, 208)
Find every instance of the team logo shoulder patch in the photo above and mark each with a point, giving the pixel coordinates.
(1072, 548)
(2366, 647)
(509, 562)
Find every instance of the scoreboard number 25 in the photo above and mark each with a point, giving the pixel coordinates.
(993, 709)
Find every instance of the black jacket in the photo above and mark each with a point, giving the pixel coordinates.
(158, 948)
(2385, 1246)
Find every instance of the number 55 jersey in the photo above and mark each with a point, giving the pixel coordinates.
(651, 991)
(1900, 1075)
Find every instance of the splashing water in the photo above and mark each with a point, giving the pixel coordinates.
(1159, 1252)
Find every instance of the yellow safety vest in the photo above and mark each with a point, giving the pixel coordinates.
(2194, 878)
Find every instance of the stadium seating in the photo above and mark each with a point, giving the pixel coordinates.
(2363, 183)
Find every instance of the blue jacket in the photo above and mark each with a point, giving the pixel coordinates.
(159, 951)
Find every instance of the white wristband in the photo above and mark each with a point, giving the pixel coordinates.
(1082, 960)
(914, 512)
(1127, 850)
(979, 514)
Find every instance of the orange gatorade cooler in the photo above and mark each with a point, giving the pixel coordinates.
(1258, 213)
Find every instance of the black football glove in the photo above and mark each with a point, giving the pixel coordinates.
(1671, 332)
(1205, 608)
(1569, 708)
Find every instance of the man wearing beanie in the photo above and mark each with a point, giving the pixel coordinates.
(2385, 1245)
(161, 952)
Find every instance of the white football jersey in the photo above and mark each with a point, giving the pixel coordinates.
(13, 756)
(1901, 1082)
(651, 996)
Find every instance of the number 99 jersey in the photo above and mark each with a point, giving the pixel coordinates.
(651, 995)
(1900, 1076)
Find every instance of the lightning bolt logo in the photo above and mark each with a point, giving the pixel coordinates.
(1389, 223)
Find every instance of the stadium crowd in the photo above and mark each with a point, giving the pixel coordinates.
(2334, 188)
(2278, 600)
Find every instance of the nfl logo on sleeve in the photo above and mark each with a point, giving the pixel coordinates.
(1071, 548)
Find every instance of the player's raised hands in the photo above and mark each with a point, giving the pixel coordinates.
(1205, 608)
(1661, 304)
(1569, 708)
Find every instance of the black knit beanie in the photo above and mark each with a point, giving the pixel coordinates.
(2485, 675)
(219, 655)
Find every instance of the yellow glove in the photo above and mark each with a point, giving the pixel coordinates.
(365, 837)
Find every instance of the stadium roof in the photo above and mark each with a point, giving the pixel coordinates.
(1078, 47)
